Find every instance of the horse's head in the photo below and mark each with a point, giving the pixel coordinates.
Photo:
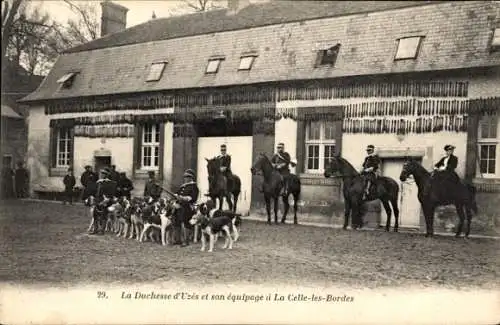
(409, 168)
(332, 166)
(259, 163)
(213, 166)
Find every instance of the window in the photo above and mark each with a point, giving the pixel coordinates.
(66, 81)
(64, 147)
(150, 151)
(213, 65)
(408, 48)
(246, 62)
(328, 56)
(156, 71)
(320, 145)
(488, 140)
(495, 41)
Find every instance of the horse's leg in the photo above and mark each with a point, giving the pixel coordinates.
(268, 208)
(469, 220)
(388, 211)
(295, 204)
(235, 203)
(460, 212)
(229, 201)
(429, 219)
(276, 204)
(286, 206)
(347, 211)
(395, 209)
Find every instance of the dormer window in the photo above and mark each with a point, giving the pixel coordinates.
(156, 71)
(328, 56)
(408, 48)
(247, 61)
(66, 81)
(495, 41)
(213, 64)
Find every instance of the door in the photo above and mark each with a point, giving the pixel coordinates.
(240, 149)
(101, 163)
(409, 206)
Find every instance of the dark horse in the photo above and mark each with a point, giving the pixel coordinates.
(387, 190)
(272, 188)
(442, 192)
(219, 187)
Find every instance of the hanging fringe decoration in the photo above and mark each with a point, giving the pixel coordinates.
(104, 131)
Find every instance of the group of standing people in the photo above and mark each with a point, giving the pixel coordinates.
(15, 184)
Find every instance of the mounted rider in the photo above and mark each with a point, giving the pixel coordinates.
(225, 165)
(281, 161)
(185, 197)
(370, 169)
(446, 166)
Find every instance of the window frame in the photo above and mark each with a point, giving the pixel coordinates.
(214, 59)
(159, 74)
(495, 46)
(68, 148)
(417, 50)
(247, 56)
(155, 131)
(322, 142)
(488, 142)
(66, 81)
(322, 53)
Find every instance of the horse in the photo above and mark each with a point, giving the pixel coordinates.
(218, 187)
(272, 187)
(387, 191)
(433, 192)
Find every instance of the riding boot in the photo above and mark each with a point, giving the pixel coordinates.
(367, 190)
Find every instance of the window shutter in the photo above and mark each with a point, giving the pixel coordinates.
(72, 147)
(471, 155)
(53, 147)
(161, 150)
(338, 137)
(300, 151)
(137, 146)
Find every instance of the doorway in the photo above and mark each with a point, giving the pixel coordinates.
(101, 162)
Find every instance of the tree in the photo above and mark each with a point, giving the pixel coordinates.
(9, 13)
(203, 5)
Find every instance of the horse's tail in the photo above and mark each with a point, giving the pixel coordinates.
(472, 194)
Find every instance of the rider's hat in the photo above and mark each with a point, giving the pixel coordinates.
(370, 147)
(223, 146)
(281, 145)
(449, 147)
(87, 167)
(189, 173)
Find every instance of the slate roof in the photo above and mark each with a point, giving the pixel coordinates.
(456, 36)
(253, 15)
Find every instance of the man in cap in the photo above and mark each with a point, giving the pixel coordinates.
(69, 182)
(106, 187)
(225, 164)
(281, 161)
(370, 168)
(152, 189)
(186, 197)
(448, 164)
(89, 182)
(113, 174)
(125, 186)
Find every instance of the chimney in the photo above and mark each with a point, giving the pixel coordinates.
(113, 18)
(234, 6)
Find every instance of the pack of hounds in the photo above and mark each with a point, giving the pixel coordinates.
(145, 219)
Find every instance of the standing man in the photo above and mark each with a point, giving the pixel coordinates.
(186, 196)
(370, 168)
(89, 182)
(125, 185)
(152, 189)
(281, 161)
(69, 182)
(106, 187)
(225, 165)
(21, 179)
(114, 175)
(7, 182)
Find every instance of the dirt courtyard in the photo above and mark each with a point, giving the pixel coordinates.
(46, 243)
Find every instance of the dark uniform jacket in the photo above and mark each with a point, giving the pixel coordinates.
(152, 189)
(372, 161)
(189, 189)
(225, 161)
(114, 176)
(106, 187)
(88, 176)
(452, 163)
(125, 186)
(282, 158)
(69, 181)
